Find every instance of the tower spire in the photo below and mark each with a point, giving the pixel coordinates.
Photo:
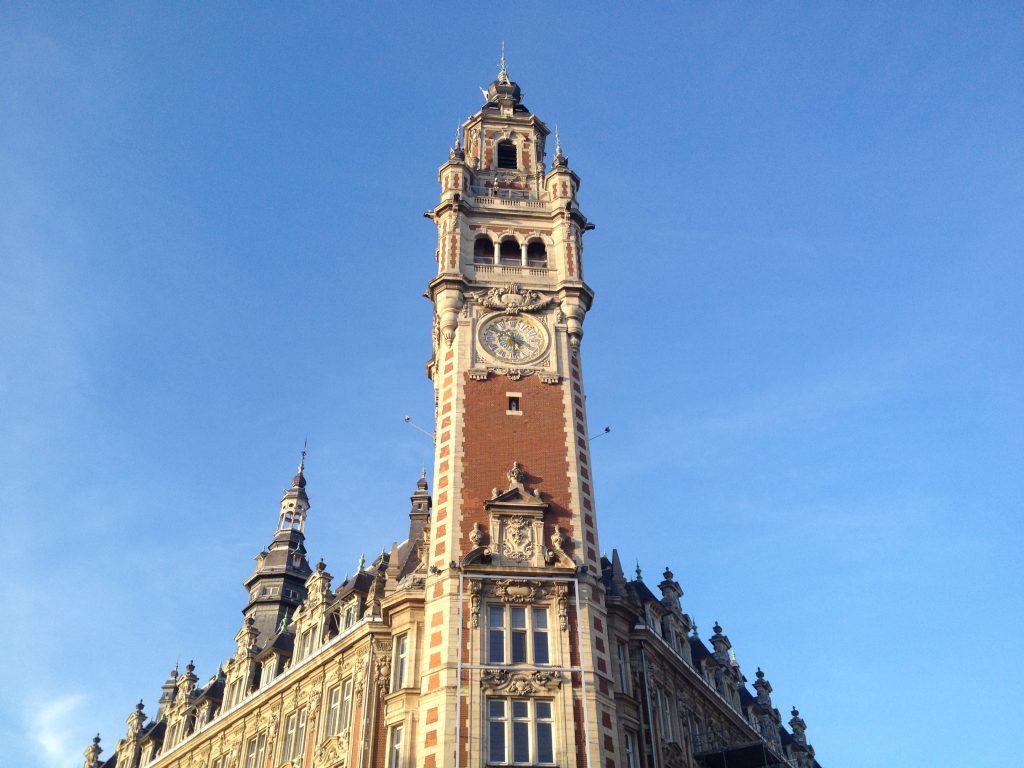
(559, 160)
(278, 584)
(502, 69)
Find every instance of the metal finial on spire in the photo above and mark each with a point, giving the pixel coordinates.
(503, 70)
(302, 458)
(558, 142)
(362, 562)
(458, 136)
(639, 575)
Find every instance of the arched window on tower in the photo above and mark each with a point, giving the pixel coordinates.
(510, 252)
(483, 250)
(507, 154)
(536, 254)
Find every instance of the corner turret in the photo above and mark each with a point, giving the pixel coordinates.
(278, 584)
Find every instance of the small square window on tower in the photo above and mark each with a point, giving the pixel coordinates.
(515, 400)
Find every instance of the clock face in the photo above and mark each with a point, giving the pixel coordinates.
(513, 338)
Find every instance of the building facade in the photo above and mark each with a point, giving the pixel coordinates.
(495, 634)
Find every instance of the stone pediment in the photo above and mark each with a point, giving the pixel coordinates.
(517, 501)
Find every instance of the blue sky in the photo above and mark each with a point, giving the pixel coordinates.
(807, 334)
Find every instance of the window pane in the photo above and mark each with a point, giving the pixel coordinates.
(520, 742)
(540, 648)
(540, 618)
(518, 647)
(543, 710)
(495, 616)
(346, 707)
(545, 752)
(334, 703)
(396, 747)
(496, 708)
(300, 735)
(520, 710)
(518, 617)
(496, 646)
(496, 742)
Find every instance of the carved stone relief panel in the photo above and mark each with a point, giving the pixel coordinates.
(519, 539)
(524, 683)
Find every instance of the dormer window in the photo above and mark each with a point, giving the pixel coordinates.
(507, 154)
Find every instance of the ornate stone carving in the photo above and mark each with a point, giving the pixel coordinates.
(313, 702)
(673, 754)
(561, 590)
(518, 591)
(382, 651)
(475, 589)
(333, 753)
(520, 683)
(557, 552)
(518, 544)
(476, 536)
(516, 475)
(511, 299)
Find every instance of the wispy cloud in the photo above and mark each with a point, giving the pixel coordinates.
(53, 727)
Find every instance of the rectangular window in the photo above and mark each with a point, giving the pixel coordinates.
(517, 623)
(623, 658)
(518, 635)
(346, 705)
(395, 747)
(220, 762)
(255, 751)
(665, 710)
(630, 749)
(545, 728)
(520, 732)
(496, 730)
(269, 667)
(399, 663)
(540, 636)
(331, 726)
(306, 644)
(300, 736)
(294, 735)
(289, 736)
(496, 635)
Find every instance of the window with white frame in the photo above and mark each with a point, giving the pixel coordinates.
(339, 708)
(520, 732)
(395, 746)
(400, 662)
(665, 715)
(306, 644)
(220, 762)
(517, 635)
(630, 745)
(255, 751)
(622, 653)
(294, 735)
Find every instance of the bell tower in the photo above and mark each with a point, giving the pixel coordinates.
(515, 668)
